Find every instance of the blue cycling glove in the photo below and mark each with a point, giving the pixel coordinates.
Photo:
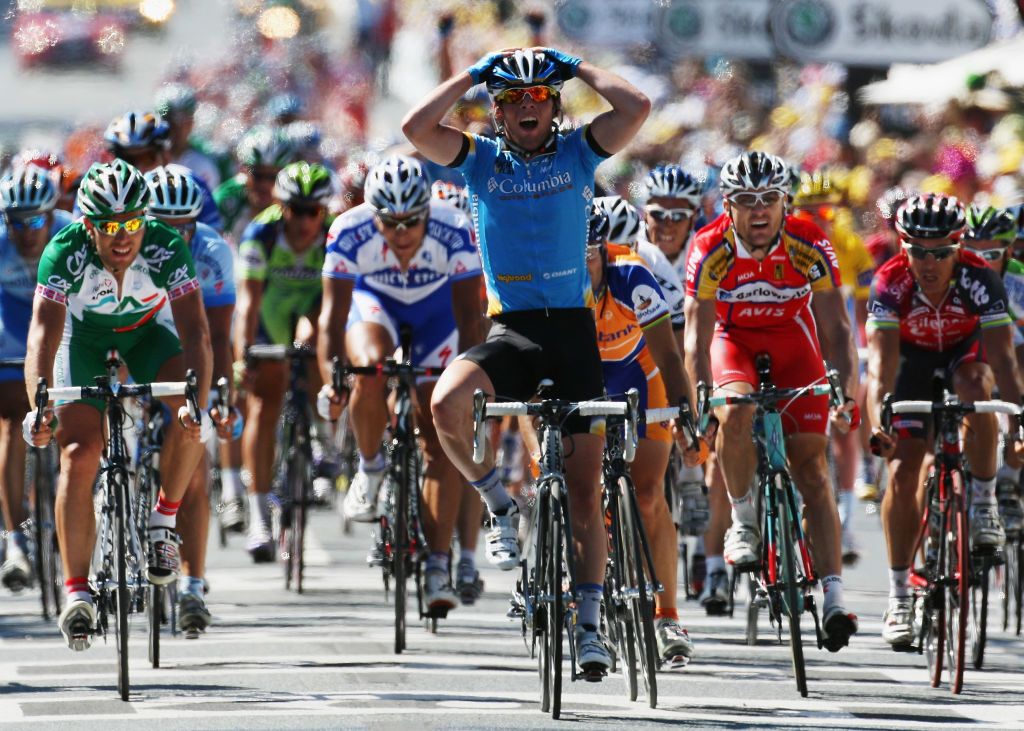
(568, 66)
(482, 68)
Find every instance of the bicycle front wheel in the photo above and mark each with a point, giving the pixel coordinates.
(297, 487)
(119, 483)
(979, 614)
(400, 554)
(556, 613)
(641, 604)
(48, 568)
(792, 593)
(958, 555)
(620, 624)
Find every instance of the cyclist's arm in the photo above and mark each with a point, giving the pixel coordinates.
(700, 331)
(422, 125)
(250, 298)
(466, 308)
(836, 337)
(613, 130)
(44, 335)
(662, 344)
(998, 345)
(194, 334)
(883, 367)
(330, 343)
(219, 319)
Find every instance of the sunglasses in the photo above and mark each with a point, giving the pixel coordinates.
(108, 227)
(305, 211)
(767, 199)
(537, 93)
(401, 224)
(989, 254)
(939, 252)
(675, 215)
(32, 223)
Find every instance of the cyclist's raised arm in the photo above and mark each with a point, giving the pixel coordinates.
(334, 308)
(662, 343)
(613, 129)
(44, 335)
(466, 308)
(998, 345)
(194, 334)
(700, 330)
(422, 125)
(836, 336)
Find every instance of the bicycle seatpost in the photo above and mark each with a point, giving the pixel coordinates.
(763, 363)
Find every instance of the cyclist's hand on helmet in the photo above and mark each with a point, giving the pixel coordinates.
(37, 437)
(481, 70)
(568, 66)
(883, 444)
(330, 403)
(846, 418)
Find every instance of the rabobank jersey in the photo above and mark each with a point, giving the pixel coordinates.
(356, 250)
(531, 219)
(18, 281)
(215, 266)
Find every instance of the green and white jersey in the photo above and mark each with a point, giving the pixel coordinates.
(1013, 281)
(72, 274)
(292, 284)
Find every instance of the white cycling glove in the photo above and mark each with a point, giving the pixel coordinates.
(323, 402)
(206, 427)
(27, 424)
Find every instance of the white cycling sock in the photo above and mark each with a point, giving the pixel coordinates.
(715, 563)
(588, 604)
(1008, 473)
(376, 464)
(899, 583)
(847, 501)
(493, 492)
(437, 561)
(743, 510)
(832, 588)
(190, 585)
(467, 558)
(259, 511)
(983, 492)
(230, 484)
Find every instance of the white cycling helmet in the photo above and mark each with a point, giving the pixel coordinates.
(442, 190)
(174, 193)
(753, 171)
(623, 219)
(671, 181)
(27, 189)
(397, 186)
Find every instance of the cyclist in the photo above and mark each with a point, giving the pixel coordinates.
(529, 189)
(935, 308)
(261, 154)
(401, 259)
(142, 139)
(672, 201)
(279, 260)
(634, 335)
(176, 104)
(28, 196)
(750, 278)
(97, 282)
(990, 234)
(176, 199)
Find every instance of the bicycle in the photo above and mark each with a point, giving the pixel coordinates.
(218, 400)
(119, 568)
(785, 577)
(42, 526)
(943, 585)
(400, 545)
(545, 595)
(295, 455)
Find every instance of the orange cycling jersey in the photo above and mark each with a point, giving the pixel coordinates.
(758, 294)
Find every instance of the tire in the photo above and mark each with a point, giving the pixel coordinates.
(979, 615)
(620, 621)
(119, 483)
(753, 611)
(642, 606)
(1018, 585)
(48, 568)
(540, 588)
(556, 615)
(934, 630)
(958, 596)
(155, 613)
(298, 491)
(792, 594)
(400, 552)
(216, 491)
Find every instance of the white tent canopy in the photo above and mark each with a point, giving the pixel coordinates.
(941, 82)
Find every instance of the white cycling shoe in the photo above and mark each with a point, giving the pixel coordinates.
(503, 539)
(361, 498)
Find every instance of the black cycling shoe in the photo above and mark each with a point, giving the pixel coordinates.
(837, 628)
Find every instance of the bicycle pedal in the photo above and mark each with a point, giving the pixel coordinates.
(592, 676)
(676, 662)
(907, 648)
(192, 633)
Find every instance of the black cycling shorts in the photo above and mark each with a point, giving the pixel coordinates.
(526, 346)
(916, 380)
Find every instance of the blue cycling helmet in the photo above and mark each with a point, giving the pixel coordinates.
(522, 69)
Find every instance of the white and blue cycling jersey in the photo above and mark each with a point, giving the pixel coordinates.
(17, 288)
(215, 266)
(531, 219)
(421, 296)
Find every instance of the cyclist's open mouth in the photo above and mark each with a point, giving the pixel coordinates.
(528, 123)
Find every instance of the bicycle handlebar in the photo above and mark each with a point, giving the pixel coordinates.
(994, 406)
(255, 353)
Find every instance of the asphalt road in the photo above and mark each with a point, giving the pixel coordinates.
(324, 660)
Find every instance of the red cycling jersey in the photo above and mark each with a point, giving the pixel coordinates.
(975, 299)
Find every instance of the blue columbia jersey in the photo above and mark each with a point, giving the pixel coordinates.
(215, 266)
(531, 219)
(18, 282)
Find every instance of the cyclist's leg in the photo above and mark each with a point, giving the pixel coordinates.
(974, 381)
(17, 568)
(648, 473)
(194, 526)
(809, 468)
(714, 594)
(263, 408)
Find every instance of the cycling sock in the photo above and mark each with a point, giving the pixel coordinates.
(377, 464)
(1008, 473)
(190, 585)
(77, 589)
(699, 547)
(743, 510)
(714, 563)
(847, 501)
(899, 583)
(259, 511)
(437, 561)
(832, 588)
(588, 604)
(667, 613)
(493, 492)
(230, 484)
(983, 492)
(164, 513)
(467, 559)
